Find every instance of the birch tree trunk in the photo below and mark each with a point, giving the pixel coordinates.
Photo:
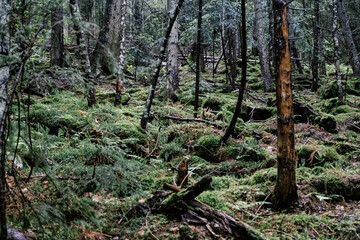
(85, 62)
(285, 193)
(57, 37)
(172, 83)
(261, 38)
(121, 59)
(4, 78)
(349, 40)
(336, 49)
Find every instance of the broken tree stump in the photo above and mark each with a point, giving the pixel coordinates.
(184, 205)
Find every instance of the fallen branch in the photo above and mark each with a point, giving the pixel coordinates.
(194, 120)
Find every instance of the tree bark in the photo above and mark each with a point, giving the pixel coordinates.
(263, 51)
(315, 58)
(121, 58)
(85, 62)
(198, 55)
(349, 40)
(57, 37)
(4, 78)
(146, 113)
(232, 124)
(336, 49)
(172, 83)
(285, 193)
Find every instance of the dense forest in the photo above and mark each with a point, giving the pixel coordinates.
(179, 119)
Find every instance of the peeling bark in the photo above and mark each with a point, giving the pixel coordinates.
(285, 193)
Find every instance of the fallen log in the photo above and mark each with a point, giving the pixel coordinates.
(183, 204)
(194, 120)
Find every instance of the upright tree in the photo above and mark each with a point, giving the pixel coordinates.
(232, 124)
(315, 58)
(262, 45)
(336, 49)
(4, 78)
(57, 37)
(121, 58)
(146, 113)
(198, 55)
(285, 193)
(349, 40)
(85, 62)
(172, 83)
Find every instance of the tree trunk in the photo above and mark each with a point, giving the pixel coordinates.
(261, 38)
(232, 124)
(354, 55)
(4, 78)
(146, 113)
(85, 62)
(198, 55)
(172, 83)
(285, 193)
(315, 59)
(322, 64)
(57, 37)
(336, 49)
(121, 58)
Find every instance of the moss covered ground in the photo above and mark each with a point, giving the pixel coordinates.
(92, 165)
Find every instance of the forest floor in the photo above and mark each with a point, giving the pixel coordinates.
(92, 166)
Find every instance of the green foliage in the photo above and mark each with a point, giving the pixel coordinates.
(171, 150)
(207, 147)
(265, 176)
(212, 199)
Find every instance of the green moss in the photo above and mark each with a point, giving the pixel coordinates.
(328, 122)
(160, 181)
(221, 183)
(304, 154)
(171, 150)
(213, 102)
(264, 175)
(328, 90)
(212, 198)
(353, 86)
(207, 147)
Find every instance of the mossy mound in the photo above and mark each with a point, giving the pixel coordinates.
(332, 183)
(353, 86)
(328, 123)
(207, 147)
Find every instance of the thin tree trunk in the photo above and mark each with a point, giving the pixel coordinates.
(322, 64)
(232, 124)
(121, 59)
(146, 113)
(354, 55)
(85, 62)
(261, 38)
(57, 37)
(198, 55)
(285, 193)
(336, 49)
(172, 83)
(315, 59)
(4, 78)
